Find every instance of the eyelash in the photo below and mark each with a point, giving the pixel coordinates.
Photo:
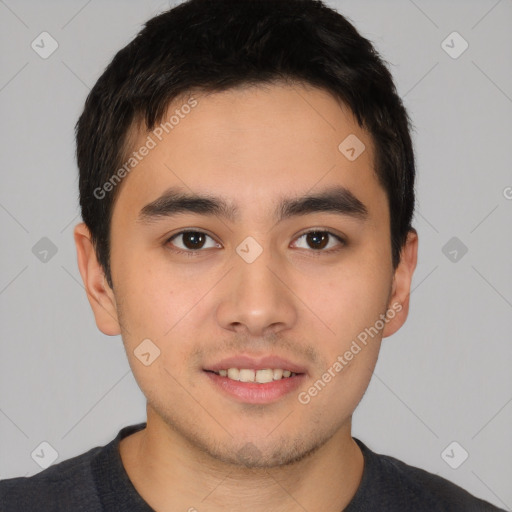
(315, 253)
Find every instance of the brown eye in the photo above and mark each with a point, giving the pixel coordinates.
(318, 240)
(191, 241)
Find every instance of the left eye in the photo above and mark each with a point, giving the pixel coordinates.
(319, 240)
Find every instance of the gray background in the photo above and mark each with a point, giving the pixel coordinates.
(444, 377)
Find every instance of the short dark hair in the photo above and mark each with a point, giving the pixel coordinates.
(216, 45)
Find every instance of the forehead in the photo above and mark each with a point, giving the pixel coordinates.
(251, 145)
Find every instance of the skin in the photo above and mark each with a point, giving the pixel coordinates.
(251, 146)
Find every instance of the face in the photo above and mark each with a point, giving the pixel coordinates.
(254, 279)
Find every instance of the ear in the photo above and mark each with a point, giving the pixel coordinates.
(398, 305)
(100, 295)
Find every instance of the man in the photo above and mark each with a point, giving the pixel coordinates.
(247, 190)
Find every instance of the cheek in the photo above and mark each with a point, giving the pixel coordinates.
(350, 298)
(166, 305)
(351, 306)
(153, 297)
(156, 305)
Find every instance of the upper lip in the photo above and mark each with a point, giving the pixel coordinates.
(256, 363)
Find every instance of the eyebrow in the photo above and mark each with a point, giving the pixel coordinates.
(174, 201)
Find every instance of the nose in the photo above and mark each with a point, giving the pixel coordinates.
(257, 296)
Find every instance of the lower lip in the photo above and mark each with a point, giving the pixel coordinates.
(253, 393)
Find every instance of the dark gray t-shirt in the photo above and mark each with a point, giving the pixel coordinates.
(96, 481)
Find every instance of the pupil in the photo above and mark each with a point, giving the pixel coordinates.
(314, 237)
(195, 238)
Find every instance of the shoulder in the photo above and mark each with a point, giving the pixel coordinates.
(56, 488)
(395, 486)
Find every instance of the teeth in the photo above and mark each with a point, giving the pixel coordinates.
(247, 375)
(259, 376)
(278, 373)
(234, 374)
(263, 376)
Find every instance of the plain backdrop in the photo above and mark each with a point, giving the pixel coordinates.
(444, 377)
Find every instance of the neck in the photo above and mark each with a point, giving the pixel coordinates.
(171, 474)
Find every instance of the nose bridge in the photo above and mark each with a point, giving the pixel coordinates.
(253, 264)
(257, 297)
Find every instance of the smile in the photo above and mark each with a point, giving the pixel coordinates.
(260, 376)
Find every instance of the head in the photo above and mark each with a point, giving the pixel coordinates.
(219, 118)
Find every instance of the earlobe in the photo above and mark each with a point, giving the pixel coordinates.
(398, 306)
(99, 293)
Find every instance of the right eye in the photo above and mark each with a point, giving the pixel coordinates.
(192, 242)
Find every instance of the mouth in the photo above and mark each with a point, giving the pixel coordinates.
(263, 376)
(255, 380)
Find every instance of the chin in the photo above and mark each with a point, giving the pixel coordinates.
(262, 454)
